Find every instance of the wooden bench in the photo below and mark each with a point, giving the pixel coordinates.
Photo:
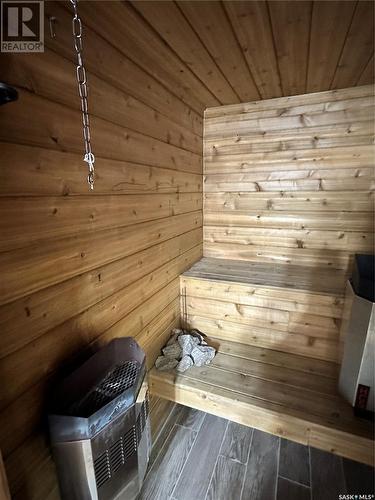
(276, 329)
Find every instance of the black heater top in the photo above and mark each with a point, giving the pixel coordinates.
(363, 278)
(97, 392)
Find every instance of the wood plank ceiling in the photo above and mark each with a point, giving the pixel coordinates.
(79, 268)
(239, 51)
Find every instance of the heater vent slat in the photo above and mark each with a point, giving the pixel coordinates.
(116, 455)
(130, 443)
(102, 469)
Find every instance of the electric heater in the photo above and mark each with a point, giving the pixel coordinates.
(100, 426)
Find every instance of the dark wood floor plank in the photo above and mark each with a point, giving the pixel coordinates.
(294, 462)
(237, 442)
(359, 478)
(227, 480)
(288, 490)
(327, 475)
(163, 434)
(190, 418)
(261, 472)
(167, 467)
(160, 410)
(206, 457)
(196, 474)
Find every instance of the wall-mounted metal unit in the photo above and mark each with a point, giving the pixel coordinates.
(357, 377)
(100, 427)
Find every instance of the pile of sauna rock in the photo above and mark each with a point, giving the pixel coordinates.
(185, 348)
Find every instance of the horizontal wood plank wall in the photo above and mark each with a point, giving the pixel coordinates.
(284, 319)
(81, 268)
(291, 180)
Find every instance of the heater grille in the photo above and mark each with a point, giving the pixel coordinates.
(117, 381)
(112, 459)
(109, 462)
(102, 469)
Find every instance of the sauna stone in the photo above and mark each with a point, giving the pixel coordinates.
(173, 351)
(184, 350)
(185, 363)
(164, 363)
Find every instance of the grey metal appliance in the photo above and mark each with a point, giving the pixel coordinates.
(357, 373)
(100, 427)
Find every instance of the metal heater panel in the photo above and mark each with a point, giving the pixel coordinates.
(357, 367)
(98, 469)
(75, 466)
(100, 426)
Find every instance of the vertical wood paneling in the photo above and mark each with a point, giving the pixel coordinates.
(252, 26)
(358, 45)
(173, 27)
(291, 30)
(368, 73)
(329, 26)
(144, 47)
(211, 23)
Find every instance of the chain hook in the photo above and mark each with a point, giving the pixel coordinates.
(89, 157)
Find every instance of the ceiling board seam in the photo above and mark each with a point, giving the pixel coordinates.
(343, 46)
(364, 68)
(274, 47)
(239, 44)
(239, 47)
(309, 46)
(208, 52)
(158, 35)
(178, 57)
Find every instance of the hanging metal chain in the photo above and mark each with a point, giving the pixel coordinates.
(82, 89)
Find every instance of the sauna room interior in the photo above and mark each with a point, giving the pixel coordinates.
(187, 183)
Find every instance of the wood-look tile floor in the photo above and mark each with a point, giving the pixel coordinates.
(198, 456)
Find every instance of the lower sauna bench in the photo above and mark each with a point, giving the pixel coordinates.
(276, 329)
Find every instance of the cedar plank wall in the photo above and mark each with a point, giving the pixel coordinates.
(289, 180)
(80, 268)
(76, 267)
